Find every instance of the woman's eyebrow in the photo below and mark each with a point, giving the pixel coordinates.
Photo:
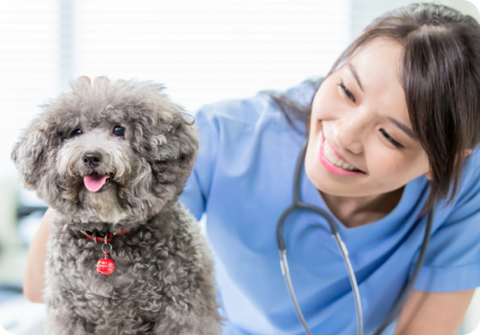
(355, 74)
(400, 125)
(403, 127)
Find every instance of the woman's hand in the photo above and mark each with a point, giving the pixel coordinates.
(34, 282)
(433, 313)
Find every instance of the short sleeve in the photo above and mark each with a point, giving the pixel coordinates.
(196, 190)
(452, 262)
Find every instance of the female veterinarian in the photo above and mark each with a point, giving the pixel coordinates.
(390, 166)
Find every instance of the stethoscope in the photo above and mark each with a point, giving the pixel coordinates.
(299, 204)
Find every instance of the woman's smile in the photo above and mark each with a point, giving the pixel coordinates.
(333, 162)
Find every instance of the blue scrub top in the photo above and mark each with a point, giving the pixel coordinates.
(243, 181)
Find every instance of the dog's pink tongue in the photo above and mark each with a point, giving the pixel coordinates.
(94, 182)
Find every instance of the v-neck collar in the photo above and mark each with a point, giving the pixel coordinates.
(356, 236)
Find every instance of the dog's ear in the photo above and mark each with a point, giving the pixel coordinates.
(179, 143)
(170, 131)
(29, 153)
(186, 133)
(175, 150)
(162, 134)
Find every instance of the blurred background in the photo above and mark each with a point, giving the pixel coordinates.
(202, 50)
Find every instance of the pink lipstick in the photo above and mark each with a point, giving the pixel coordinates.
(333, 168)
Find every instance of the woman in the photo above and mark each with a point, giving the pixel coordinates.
(390, 132)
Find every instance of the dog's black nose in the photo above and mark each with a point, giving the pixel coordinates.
(92, 158)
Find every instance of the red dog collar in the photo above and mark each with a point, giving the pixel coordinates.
(99, 237)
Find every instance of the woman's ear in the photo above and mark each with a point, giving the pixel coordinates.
(465, 154)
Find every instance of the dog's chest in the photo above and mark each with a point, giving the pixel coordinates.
(144, 266)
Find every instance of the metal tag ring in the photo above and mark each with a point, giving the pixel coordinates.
(107, 244)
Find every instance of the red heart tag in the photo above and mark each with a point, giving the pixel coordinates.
(105, 266)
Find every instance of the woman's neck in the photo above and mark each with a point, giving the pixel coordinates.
(358, 211)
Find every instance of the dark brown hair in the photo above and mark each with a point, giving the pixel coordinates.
(440, 75)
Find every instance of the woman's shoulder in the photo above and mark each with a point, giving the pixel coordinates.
(467, 197)
(470, 177)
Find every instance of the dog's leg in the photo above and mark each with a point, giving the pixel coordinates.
(178, 320)
(161, 329)
(191, 306)
(171, 328)
(61, 322)
(61, 317)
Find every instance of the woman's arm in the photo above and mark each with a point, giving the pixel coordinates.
(34, 282)
(433, 313)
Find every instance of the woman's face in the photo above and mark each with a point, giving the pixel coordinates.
(360, 122)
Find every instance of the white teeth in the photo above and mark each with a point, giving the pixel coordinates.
(332, 158)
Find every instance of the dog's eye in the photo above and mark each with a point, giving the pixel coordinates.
(119, 131)
(76, 132)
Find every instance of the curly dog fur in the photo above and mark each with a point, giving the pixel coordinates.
(163, 280)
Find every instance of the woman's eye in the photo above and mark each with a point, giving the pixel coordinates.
(118, 131)
(389, 138)
(347, 91)
(76, 132)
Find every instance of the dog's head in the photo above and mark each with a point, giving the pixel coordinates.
(108, 154)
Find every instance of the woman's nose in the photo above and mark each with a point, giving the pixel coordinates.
(348, 133)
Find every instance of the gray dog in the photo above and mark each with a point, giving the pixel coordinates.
(124, 256)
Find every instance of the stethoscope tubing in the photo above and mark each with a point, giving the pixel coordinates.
(407, 290)
(341, 247)
(299, 204)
